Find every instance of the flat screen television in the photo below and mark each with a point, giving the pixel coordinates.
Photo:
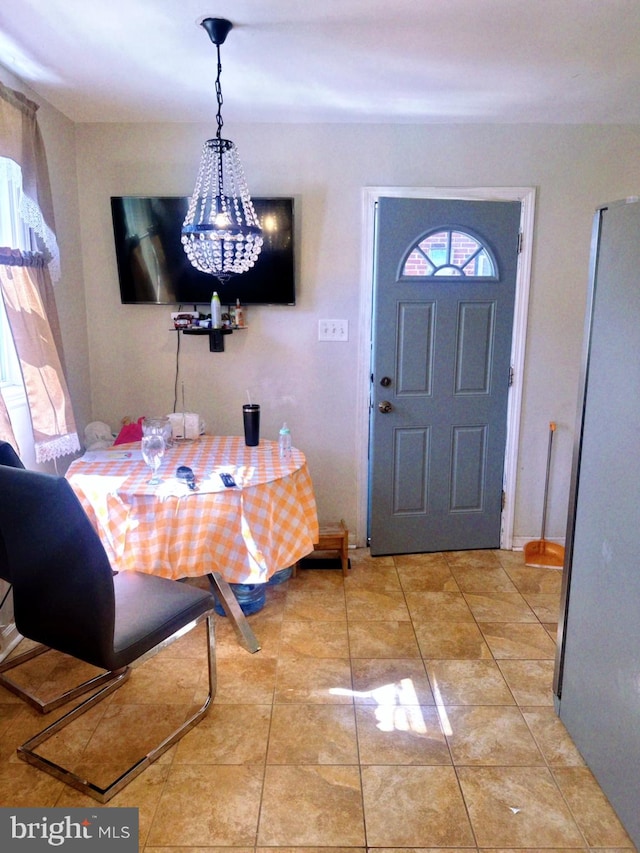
(154, 269)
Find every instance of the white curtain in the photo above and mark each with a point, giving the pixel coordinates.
(27, 265)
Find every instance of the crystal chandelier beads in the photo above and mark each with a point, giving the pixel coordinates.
(221, 233)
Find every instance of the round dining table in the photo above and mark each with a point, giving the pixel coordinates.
(239, 534)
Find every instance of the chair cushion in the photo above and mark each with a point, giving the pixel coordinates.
(149, 609)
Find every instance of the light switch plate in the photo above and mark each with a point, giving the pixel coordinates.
(333, 330)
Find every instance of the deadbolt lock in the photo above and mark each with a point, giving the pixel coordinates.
(385, 381)
(385, 406)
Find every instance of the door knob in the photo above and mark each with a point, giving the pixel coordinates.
(385, 406)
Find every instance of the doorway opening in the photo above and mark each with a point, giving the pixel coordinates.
(526, 197)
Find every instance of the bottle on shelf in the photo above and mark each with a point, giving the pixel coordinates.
(240, 317)
(216, 312)
(284, 442)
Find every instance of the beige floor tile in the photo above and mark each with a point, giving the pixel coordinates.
(377, 577)
(591, 809)
(310, 849)
(328, 807)
(22, 786)
(552, 630)
(314, 605)
(376, 604)
(401, 734)
(29, 722)
(382, 640)
(143, 794)
(9, 711)
(162, 679)
(451, 640)
(552, 737)
(422, 850)
(479, 579)
(149, 849)
(529, 579)
(519, 640)
(313, 734)
(307, 850)
(428, 578)
(427, 607)
(229, 734)
(123, 736)
(267, 628)
(546, 606)
(530, 681)
(517, 807)
(475, 682)
(432, 812)
(489, 736)
(232, 797)
(499, 607)
(476, 559)
(390, 682)
(381, 580)
(362, 561)
(420, 561)
(313, 680)
(48, 675)
(315, 640)
(327, 581)
(246, 678)
(507, 559)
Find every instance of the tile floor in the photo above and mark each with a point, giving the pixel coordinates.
(408, 705)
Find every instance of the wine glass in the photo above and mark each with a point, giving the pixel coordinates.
(153, 446)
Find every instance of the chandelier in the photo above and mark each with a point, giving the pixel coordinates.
(221, 233)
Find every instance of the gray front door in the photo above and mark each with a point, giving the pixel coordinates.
(444, 289)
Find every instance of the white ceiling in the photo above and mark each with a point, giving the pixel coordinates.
(558, 61)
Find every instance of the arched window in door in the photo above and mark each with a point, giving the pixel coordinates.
(449, 253)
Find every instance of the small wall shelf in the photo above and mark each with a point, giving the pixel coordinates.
(216, 336)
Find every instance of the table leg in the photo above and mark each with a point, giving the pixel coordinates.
(234, 612)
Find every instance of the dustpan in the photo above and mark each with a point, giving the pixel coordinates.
(540, 553)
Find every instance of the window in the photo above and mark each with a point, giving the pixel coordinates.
(450, 253)
(14, 234)
(9, 368)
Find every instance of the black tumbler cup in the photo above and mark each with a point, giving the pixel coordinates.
(251, 418)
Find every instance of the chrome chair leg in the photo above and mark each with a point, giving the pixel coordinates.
(41, 705)
(103, 794)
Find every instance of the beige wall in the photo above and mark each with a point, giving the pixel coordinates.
(314, 386)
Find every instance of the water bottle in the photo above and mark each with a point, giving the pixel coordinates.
(216, 313)
(284, 442)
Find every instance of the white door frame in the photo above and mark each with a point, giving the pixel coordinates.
(526, 196)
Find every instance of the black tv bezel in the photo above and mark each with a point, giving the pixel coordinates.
(250, 287)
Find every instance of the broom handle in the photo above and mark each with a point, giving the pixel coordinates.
(552, 429)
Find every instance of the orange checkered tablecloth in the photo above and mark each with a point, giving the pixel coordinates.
(246, 533)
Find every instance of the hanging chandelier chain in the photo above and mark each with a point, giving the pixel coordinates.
(219, 95)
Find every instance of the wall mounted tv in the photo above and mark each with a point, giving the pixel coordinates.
(154, 269)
